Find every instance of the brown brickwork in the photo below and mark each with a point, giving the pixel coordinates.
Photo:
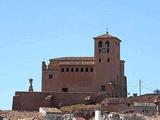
(102, 73)
(71, 79)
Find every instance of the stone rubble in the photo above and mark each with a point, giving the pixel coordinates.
(80, 115)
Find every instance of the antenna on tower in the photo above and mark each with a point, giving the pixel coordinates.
(107, 30)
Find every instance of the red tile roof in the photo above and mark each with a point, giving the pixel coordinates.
(73, 61)
(106, 36)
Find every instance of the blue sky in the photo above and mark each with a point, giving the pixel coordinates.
(35, 30)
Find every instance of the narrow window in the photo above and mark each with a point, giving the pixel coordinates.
(99, 50)
(108, 59)
(91, 69)
(100, 44)
(103, 88)
(86, 69)
(76, 69)
(81, 69)
(107, 43)
(99, 59)
(67, 69)
(64, 89)
(50, 76)
(72, 69)
(62, 70)
(107, 50)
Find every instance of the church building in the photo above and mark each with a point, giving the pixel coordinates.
(104, 72)
(70, 80)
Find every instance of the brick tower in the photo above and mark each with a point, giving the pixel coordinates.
(109, 76)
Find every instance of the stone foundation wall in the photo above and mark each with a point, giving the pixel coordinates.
(31, 101)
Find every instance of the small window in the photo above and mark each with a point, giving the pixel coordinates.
(81, 69)
(99, 50)
(108, 59)
(100, 60)
(107, 50)
(103, 88)
(64, 89)
(76, 69)
(91, 69)
(67, 69)
(72, 69)
(86, 69)
(100, 44)
(50, 76)
(107, 43)
(62, 70)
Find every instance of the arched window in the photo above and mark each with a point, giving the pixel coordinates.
(91, 69)
(62, 70)
(100, 44)
(108, 59)
(50, 76)
(107, 50)
(67, 69)
(81, 69)
(86, 69)
(72, 69)
(76, 69)
(107, 44)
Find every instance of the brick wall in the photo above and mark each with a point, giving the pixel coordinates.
(31, 101)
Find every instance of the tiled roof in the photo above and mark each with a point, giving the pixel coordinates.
(73, 61)
(74, 58)
(106, 36)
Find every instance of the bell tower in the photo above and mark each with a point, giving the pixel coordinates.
(107, 64)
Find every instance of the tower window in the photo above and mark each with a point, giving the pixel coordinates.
(76, 69)
(108, 59)
(72, 69)
(67, 69)
(99, 50)
(103, 88)
(107, 50)
(86, 69)
(107, 43)
(100, 44)
(50, 76)
(91, 69)
(64, 89)
(62, 70)
(81, 69)
(100, 60)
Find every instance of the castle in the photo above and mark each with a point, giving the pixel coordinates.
(79, 77)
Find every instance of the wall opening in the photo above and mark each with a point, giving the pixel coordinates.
(50, 76)
(108, 59)
(103, 88)
(107, 43)
(64, 89)
(100, 44)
